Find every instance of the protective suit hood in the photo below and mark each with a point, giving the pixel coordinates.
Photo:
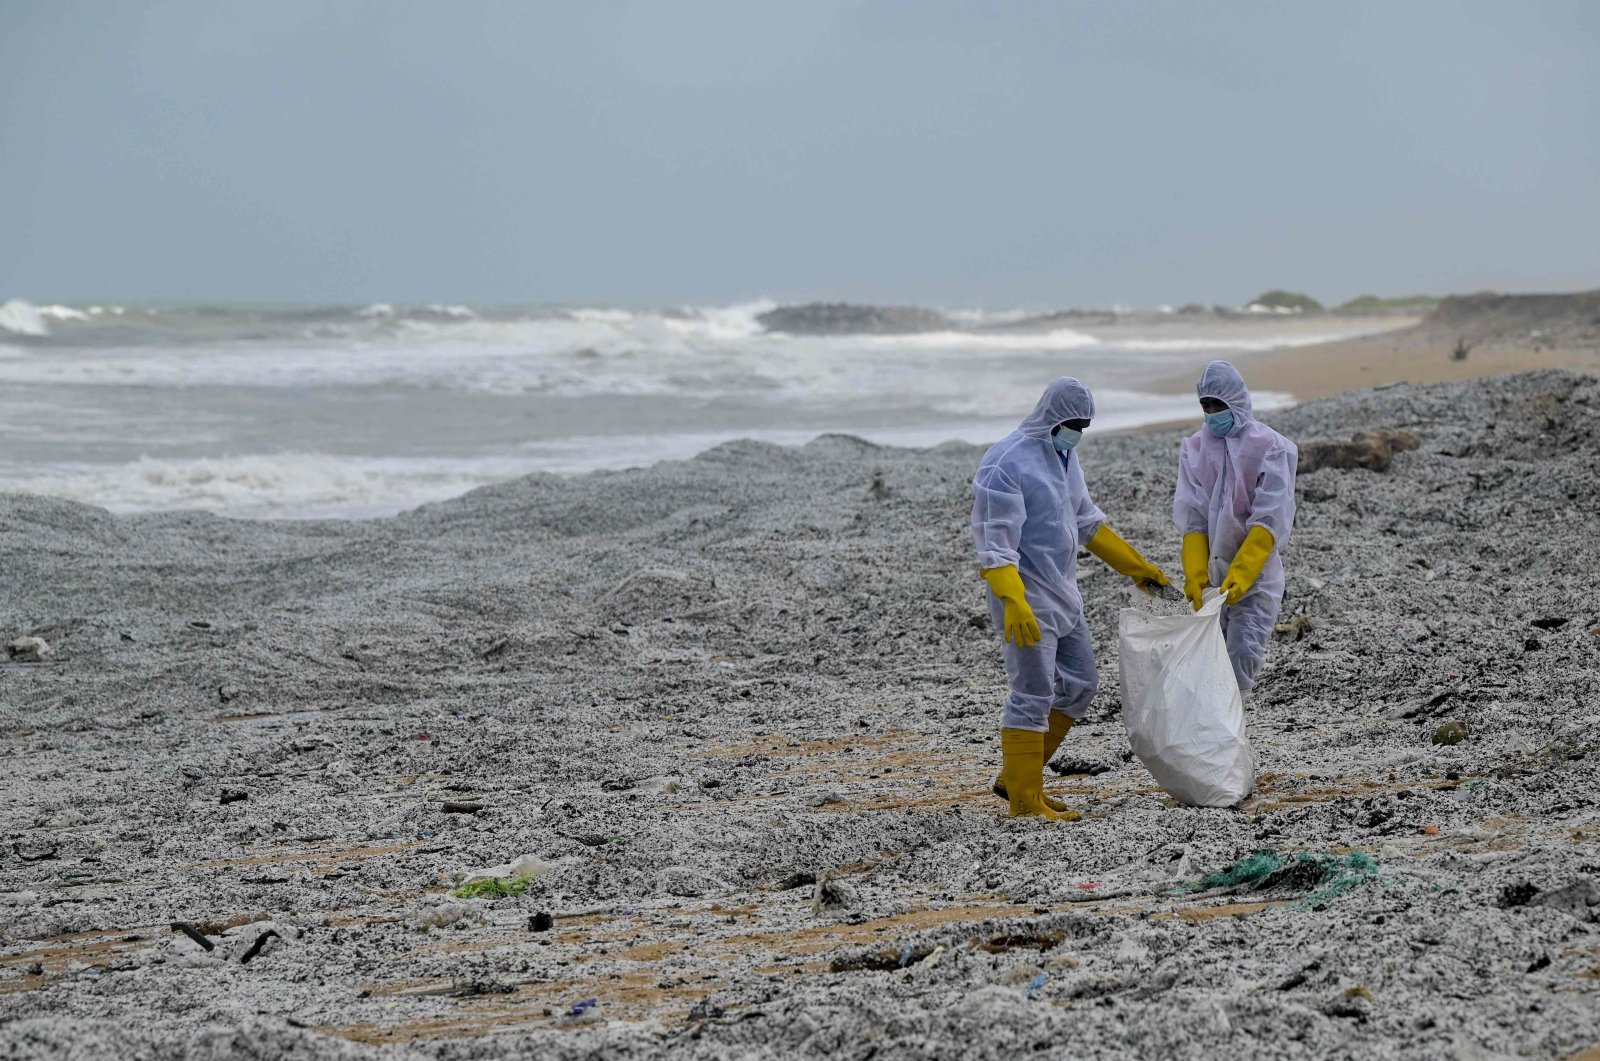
(1220, 380)
(1064, 399)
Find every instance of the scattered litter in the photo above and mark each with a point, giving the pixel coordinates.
(689, 882)
(441, 916)
(529, 866)
(258, 944)
(933, 958)
(461, 807)
(1580, 899)
(583, 1012)
(795, 880)
(194, 934)
(1513, 895)
(474, 988)
(1323, 877)
(28, 650)
(1035, 984)
(424, 735)
(831, 894)
(541, 922)
(1450, 733)
(233, 795)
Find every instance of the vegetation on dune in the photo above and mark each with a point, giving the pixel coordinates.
(1294, 300)
(1368, 303)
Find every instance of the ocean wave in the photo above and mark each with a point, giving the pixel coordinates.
(22, 318)
(1058, 339)
(287, 485)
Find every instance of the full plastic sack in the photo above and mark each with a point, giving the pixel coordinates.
(1181, 704)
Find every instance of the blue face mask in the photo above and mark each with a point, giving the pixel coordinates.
(1065, 438)
(1219, 424)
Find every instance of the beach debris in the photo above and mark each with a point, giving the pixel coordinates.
(232, 795)
(35, 850)
(883, 959)
(1450, 733)
(529, 865)
(194, 933)
(795, 880)
(441, 916)
(1513, 895)
(584, 1012)
(1293, 629)
(28, 650)
(258, 944)
(689, 882)
(1372, 450)
(1022, 940)
(831, 894)
(706, 1009)
(543, 921)
(452, 806)
(825, 799)
(474, 988)
(1066, 767)
(932, 958)
(1035, 984)
(1460, 351)
(228, 693)
(1323, 877)
(1551, 622)
(1580, 899)
(879, 490)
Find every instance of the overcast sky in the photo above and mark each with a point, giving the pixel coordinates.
(954, 153)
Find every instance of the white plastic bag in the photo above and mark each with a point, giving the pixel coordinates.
(1181, 704)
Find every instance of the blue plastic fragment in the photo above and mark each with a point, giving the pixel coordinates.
(905, 955)
(1036, 983)
(580, 1008)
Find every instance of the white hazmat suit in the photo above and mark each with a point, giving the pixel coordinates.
(1226, 486)
(1031, 508)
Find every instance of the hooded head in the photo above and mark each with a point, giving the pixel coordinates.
(1220, 380)
(1064, 399)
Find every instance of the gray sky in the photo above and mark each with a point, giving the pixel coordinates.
(954, 153)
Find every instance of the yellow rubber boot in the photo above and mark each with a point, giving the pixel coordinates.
(1022, 773)
(1124, 559)
(1247, 564)
(1196, 561)
(1059, 725)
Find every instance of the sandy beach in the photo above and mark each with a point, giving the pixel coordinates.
(740, 711)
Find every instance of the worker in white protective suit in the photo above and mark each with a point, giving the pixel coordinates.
(1031, 511)
(1234, 506)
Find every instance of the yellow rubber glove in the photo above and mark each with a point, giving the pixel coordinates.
(1196, 566)
(1124, 559)
(1247, 564)
(1022, 629)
